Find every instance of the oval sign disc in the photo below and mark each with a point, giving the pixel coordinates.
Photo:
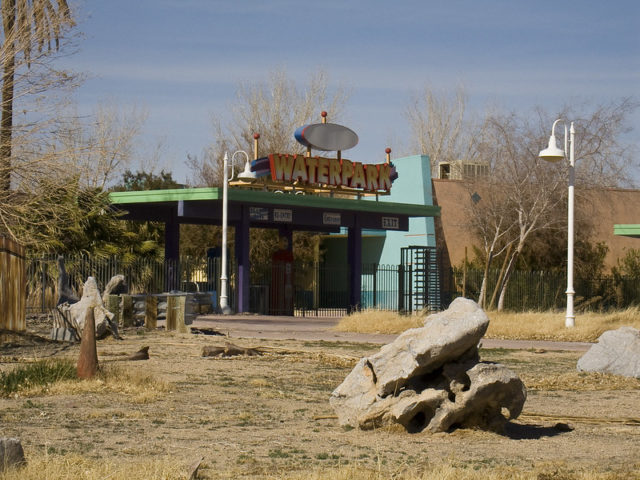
(326, 136)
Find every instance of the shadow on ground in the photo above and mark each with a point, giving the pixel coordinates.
(518, 431)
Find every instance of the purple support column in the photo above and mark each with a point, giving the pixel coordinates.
(171, 251)
(354, 255)
(242, 260)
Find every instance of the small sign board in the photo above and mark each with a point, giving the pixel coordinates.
(390, 223)
(259, 214)
(331, 218)
(282, 215)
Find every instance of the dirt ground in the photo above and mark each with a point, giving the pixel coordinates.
(252, 415)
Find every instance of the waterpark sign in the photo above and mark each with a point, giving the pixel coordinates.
(325, 172)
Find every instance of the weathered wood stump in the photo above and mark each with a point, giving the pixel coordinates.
(88, 359)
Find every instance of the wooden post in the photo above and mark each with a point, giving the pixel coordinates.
(113, 305)
(171, 313)
(88, 358)
(175, 313)
(151, 312)
(180, 314)
(13, 286)
(127, 311)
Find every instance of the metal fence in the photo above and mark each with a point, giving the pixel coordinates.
(318, 289)
(547, 290)
(142, 275)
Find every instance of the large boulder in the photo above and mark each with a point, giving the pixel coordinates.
(617, 352)
(430, 378)
(445, 337)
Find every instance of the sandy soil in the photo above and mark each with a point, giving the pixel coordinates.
(269, 413)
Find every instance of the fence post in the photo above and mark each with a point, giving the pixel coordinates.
(401, 288)
(113, 305)
(375, 285)
(151, 312)
(127, 311)
(175, 313)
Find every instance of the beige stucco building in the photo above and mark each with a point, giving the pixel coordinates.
(607, 207)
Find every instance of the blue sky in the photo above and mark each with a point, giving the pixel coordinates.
(182, 59)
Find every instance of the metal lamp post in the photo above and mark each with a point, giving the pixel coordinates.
(554, 154)
(246, 175)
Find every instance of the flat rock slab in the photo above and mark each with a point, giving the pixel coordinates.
(617, 352)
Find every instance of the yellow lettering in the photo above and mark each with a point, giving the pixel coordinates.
(299, 169)
(347, 171)
(372, 176)
(281, 167)
(323, 170)
(358, 180)
(312, 165)
(384, 178)
(334, 172)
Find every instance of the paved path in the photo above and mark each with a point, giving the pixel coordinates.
(321, 328)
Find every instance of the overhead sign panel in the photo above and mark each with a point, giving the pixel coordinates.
(326, 136)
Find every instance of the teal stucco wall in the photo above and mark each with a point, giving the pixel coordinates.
(413, 185)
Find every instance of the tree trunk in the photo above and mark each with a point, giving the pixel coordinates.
(482, 298)
(8, 74)
(500, 278)
(507, 277)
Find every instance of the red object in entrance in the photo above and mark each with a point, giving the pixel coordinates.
(282, 283)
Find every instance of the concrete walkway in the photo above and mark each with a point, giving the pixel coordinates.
(322, 328)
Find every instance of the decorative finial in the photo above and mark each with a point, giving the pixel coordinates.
(323, 114)
(256, 136)
(388, 152)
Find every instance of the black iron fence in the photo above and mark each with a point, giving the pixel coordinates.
(547, 290)
(318, 289)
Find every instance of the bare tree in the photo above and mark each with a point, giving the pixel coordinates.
(526, 195)
(101, 147)
(440, 126)
(274, 109)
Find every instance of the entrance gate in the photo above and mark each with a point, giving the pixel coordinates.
(419, 280)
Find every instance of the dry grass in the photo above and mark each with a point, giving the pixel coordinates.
(449, 471)
(579, 382)
(505, 325)
(550, 325)
(139, 387)
(73, 466)
(378, 321)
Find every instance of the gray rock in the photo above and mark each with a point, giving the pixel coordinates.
(617, 352)
(445, 337)
(430, 378)
(11, 454)
(356, 394)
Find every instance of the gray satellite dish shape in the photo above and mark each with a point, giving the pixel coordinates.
(326, 137)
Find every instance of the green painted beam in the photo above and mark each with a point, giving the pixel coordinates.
(627, 230)
(260, 197)
(162, 196)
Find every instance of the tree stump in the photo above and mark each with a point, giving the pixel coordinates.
(88, 359)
